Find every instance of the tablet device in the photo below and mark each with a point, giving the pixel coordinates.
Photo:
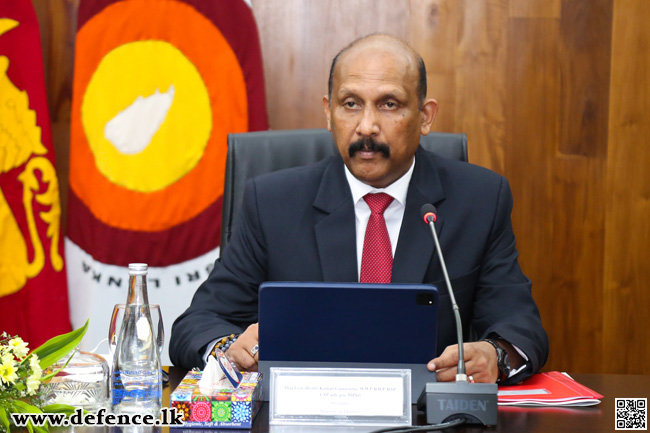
(349, 325)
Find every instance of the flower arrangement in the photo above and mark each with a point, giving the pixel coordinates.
(21, 375)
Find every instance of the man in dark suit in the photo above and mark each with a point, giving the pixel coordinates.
(314, 223)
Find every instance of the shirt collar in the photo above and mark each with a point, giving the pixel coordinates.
(397, 189)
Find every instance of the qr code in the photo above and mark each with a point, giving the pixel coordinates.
(631, 414)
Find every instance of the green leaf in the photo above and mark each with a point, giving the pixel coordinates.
(56, 348)
(23, 407)
(43, 429)
(4, 420)
(55, 372)
(59, 408)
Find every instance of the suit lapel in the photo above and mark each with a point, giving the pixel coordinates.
(415, 245)
(335, 232)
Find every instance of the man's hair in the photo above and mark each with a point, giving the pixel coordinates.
(422, 70)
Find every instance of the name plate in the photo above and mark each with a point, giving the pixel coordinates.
(341, 396)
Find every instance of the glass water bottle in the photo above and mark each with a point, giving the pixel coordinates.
(136, 380)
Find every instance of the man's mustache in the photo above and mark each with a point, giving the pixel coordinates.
(369, 143)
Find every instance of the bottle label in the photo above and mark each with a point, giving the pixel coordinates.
(136, 385)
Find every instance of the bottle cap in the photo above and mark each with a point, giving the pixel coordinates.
(138, 268)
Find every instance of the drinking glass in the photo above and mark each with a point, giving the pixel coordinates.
(116, 324)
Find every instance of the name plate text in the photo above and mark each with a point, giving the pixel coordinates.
(340, 396)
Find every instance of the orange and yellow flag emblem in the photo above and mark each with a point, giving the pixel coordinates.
(158, 86)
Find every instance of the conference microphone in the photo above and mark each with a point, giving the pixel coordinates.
(476, 403)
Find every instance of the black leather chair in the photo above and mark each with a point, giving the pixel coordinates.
(251, 154)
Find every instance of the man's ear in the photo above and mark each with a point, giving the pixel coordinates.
(328, 114)
(428, 111)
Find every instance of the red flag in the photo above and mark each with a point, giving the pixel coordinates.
(33, 293)
(158, 85)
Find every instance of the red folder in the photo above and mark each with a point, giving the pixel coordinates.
(548, 389)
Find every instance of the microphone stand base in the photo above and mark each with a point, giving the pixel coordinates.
(474, 402)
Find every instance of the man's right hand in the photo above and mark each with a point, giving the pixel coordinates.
(240, 351)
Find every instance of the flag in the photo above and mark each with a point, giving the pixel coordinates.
(158, 85)
(33, 291)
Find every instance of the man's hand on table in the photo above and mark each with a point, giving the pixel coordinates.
(240, 351)
(480, 363)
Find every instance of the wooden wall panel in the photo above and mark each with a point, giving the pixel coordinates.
(58, 26)
(627, 227)
(299, 40)
(552, 93)
(532, 102)
(535, 8)
(586, 30)
(580, 155)
(481, 80)
(433, 31)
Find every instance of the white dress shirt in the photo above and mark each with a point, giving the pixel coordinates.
(393, 214)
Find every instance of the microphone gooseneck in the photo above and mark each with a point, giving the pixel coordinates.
(476, 403)
(429, 214)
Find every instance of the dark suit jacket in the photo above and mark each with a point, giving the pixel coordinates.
(299, 225)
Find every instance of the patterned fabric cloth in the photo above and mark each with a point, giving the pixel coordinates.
(33, 289)
(377, 258)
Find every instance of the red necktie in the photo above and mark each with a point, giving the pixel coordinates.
(377, 257)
